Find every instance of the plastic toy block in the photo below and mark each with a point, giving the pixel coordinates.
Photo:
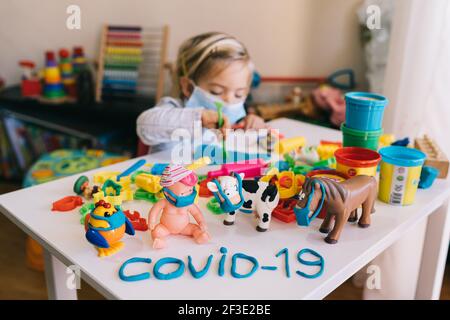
(284, 211)
(148, 182)
(435, 157)
(102, 176)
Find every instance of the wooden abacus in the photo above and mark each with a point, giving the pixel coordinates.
(132, 61)
(435, 157)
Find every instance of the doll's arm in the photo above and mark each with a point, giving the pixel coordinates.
(153, 213)
(198, 216)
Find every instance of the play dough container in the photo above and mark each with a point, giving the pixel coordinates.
(355, 161)
(364, 111)
(399, 174)
(358, 138)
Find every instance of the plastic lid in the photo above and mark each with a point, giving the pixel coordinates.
(357, 157)
(402, 156)
(366, 99)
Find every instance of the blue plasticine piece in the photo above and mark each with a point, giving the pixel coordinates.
(158, 168)
(320, 262)
(131, 169)
(403, 142)
(427, 177)
(223, 251)
(253, 260)
(198, 274)
(168, 276)
(286, 260)
(270, 268)
(136, 277)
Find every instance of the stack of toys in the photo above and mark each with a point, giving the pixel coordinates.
(363, 120)
(59, 81)
(53, 87)
(68, 79)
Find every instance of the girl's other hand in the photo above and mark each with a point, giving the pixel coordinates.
(251, 121)
(210, 120)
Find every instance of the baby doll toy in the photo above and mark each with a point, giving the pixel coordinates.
(179, 190)
(105, 227)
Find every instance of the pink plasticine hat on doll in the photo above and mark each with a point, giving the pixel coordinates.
(174, 173)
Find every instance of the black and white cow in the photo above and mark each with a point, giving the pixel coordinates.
(260, 198)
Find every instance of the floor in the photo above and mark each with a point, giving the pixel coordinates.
(20, 282)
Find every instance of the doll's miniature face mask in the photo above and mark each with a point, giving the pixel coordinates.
(180, 195)
(201, 98)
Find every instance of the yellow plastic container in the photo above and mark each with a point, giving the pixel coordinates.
(355, 161)
(400, 174)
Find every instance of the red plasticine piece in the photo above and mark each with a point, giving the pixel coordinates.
(67, 203)
(138, 223)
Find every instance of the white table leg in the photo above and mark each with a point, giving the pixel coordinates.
(434, 254)
(57, 279)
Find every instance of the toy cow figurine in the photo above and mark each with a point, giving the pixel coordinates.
(233, 193)
(342, 199)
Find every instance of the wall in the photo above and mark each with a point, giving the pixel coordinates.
(285, 38)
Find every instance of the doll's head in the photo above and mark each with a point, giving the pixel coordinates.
(217, 63)
(179, 185)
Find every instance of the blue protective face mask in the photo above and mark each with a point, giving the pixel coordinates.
(115, 221)
(302, 215)
(180, 201)
(201, 98)
(226, 205)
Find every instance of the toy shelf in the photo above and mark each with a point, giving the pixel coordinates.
(110, 126)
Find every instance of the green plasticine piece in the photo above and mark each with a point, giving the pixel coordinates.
(141, 194)
(84, 210)
(214, 206)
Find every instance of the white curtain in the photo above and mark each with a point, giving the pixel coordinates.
(417, 84)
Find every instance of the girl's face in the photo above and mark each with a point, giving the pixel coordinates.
(230, 83)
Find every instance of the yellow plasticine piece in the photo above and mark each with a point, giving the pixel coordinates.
(300, 180)
(125, 182)
(326, 151)
(148, 182)
(114, 200)
(386, 139)
(287, 145)
(102, 176)
(289, 192)
(127, 195)
(199, 163)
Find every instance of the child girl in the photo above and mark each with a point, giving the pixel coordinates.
(211, 67)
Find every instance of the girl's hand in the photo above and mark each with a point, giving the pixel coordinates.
(210, 120)
(251, 121)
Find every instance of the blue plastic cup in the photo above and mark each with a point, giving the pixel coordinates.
(364, 110)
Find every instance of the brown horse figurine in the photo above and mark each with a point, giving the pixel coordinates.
(342, 199)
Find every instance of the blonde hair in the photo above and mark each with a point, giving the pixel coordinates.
(198, 55)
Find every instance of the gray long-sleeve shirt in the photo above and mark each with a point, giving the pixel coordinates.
(156, 126)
